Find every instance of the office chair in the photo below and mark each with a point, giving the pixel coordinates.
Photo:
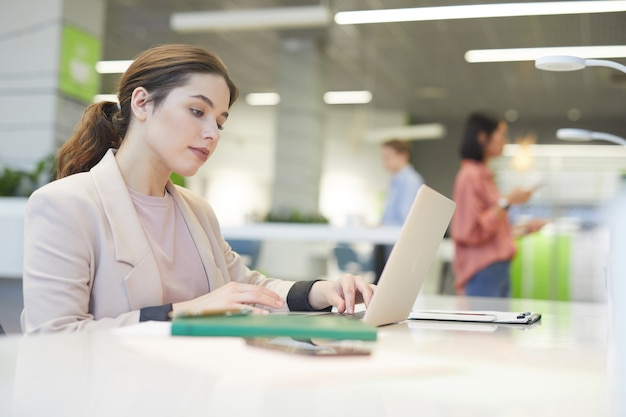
(248, 250)
(349, 261)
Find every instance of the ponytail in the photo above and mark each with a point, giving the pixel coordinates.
(102, 127)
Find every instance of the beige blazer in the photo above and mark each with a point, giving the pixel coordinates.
(88, 263)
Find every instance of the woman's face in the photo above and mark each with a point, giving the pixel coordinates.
(497, 140)
(183, 132)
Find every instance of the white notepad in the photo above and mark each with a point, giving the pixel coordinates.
(527, 317)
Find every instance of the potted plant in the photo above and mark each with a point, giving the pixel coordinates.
(20, 183)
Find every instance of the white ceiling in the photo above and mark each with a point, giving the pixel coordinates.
(417, 67)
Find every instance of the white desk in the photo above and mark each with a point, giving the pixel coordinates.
(313, 233)
(556, 368)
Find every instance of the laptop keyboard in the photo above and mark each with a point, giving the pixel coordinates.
(357, 316)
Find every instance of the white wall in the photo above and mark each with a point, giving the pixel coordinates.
(29, 77)
(354, 181)
(238, 179)
(569, 174)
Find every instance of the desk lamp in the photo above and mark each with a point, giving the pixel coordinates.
(617, 263)
(561, 63)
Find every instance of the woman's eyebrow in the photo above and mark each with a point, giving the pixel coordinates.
(209, 102)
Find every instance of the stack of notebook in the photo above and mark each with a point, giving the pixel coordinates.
(298, 326)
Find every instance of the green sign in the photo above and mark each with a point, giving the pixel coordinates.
(79, 53)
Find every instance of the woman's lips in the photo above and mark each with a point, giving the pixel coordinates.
(201, 153)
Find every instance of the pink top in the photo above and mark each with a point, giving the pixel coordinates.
(182, 275)
(482, 234)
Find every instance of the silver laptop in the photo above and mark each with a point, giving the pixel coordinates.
(411, 258)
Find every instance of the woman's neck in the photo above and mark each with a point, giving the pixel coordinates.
(140, 173)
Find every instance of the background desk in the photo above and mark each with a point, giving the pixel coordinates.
(296, 251)
(556, 368)
(313, 233)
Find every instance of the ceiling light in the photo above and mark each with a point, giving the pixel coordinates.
(475, 11)
(347, 97)
(573, 115)
(407, 132)
(112, 67)
(267, 18)
(531, 54)
(511, 115)
(583, 135)
(263, 99)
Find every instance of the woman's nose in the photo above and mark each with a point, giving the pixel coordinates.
(211, 131)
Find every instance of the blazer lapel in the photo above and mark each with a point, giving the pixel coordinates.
(207, 245)
(131, 245)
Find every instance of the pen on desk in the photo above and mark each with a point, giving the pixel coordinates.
(244, 311)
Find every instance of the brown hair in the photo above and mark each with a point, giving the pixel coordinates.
(400, 146)
(159, 70)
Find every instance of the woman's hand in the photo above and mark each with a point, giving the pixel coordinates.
(529, 227)
(534, 225)
(519, 195)
(344, 293)
(233, 295)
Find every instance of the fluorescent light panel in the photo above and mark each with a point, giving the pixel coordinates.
(330, 97)
(408, 132)
(475, 11)
(272, 99)
(266, 18)
(347, 97)
(531, 54)
(263, 99)
(112, 67)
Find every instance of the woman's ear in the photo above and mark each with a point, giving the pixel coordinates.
(483, 138)
(139, 101)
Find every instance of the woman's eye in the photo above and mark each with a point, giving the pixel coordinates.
(197, 113)
(220, 127)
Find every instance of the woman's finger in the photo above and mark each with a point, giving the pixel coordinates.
(348, 289)
(261, 298)
(365, 290)
(259, 311)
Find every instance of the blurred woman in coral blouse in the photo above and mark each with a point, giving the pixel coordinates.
(484, 239)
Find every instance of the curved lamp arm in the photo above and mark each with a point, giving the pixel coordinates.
(604, 63)
(608, 137)
(583, 135)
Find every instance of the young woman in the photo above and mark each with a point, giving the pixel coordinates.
(113, 242)
(483, 237)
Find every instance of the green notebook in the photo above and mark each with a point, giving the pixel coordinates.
(299, 326)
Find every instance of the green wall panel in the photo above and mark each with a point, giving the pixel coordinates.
(541, 267)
